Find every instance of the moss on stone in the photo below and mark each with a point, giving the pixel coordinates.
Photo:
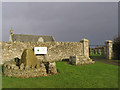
(28, 58)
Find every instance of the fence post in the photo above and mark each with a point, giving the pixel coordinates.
(109, 50)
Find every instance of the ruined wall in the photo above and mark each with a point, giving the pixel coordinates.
(80, 60)
(11, 70)
(56, 50)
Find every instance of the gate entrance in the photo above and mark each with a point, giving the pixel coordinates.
(97, 51)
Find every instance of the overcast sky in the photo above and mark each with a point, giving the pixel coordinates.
(65, 21)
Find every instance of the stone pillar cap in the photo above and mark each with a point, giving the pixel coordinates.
(108, 41)
(84, 40)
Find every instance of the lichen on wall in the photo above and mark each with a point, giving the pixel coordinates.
(56, 51)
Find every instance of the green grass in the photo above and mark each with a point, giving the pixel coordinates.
(97, 56)
(118, 61)
(98, 75)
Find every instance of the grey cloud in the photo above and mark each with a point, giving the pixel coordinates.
(65, 21)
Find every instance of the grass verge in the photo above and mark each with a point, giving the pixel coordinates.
(98, 75)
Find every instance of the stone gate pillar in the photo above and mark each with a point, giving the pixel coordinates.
(109, 49)
(85, 47)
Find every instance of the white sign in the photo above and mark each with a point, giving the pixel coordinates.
(40, 50)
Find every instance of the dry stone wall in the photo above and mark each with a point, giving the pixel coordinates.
(15, 69)
(11, 70)
(56, 51)
(80, 60)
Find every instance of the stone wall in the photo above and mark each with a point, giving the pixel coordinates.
(11, 69)
(104, 50)
(80, 60)
(56, 50)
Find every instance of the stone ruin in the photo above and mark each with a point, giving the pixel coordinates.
(56, 51)
(80, 60)
(28, 66)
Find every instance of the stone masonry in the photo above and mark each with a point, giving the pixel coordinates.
(109, 49)
(10, 69)
(28, 66)
(85, 47)
(84, 58)
(56, 51)
(19, 60)
(29, 59)
(80, 60)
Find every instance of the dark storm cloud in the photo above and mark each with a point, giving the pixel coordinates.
(0, 22)
(65, 21)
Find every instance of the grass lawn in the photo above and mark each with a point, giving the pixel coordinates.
(118, 61)
(97, 56)
(98, 75)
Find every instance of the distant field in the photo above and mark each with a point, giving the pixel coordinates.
(98, 75)
(97, 56)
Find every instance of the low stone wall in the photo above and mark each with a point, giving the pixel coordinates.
(56, 51)
(80, 60)
(10, 69)
(31, 66)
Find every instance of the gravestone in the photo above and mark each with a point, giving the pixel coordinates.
(29, 59)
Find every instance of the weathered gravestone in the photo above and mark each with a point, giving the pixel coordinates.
(29, 59)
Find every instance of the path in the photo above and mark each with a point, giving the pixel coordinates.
(107, 61)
